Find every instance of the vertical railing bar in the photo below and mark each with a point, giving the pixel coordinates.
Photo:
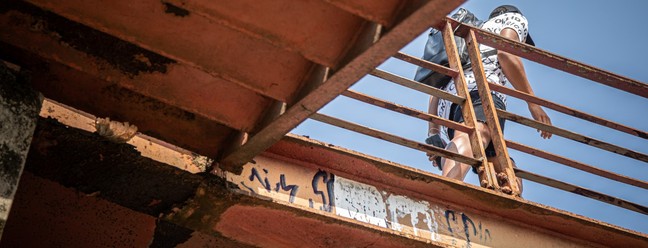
(486, 173)
(492, 122)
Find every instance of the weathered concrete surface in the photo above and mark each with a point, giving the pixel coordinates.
(147, 146)
(88, 167)
(66, 217)
(93, 165)
(506, 217)
(305, 193)
(84, 191)
(436, 221)
(19, 108)
(48, 214)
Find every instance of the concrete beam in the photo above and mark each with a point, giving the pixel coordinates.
(308, 192)
(400, 198)
(19, 108)
(115, 173)
(65, 217)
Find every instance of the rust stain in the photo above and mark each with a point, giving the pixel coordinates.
(125, 56)
(175, 10)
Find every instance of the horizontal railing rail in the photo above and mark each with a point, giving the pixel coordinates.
(427, 64)
(581, 191)
(577, 165)
(565, 110)
(394, 139)
(553, 60)
(406, 111)
(417, 86)
(573, 136)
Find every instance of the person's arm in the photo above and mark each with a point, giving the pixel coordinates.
(433, 128)
(515, 73)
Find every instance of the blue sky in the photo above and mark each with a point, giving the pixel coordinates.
(604, 34)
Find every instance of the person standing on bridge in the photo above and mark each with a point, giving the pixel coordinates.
(500, 68)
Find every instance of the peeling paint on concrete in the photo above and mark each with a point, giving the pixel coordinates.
(407, 215)
(435, 222)
(360, 202)
(147, 146)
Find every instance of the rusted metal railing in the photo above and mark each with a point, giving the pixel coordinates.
(488, 175)
(474, 36)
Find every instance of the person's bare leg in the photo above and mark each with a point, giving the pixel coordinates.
(453, 169)
(519, 180)
(461, 144)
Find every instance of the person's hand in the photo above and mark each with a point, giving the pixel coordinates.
(539, 115)
(435, 160)
(437, 141)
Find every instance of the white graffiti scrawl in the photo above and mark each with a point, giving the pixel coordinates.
(360, 202)
(418, 212)
(321, 190)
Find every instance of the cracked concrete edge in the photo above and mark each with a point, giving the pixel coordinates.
(149, 147)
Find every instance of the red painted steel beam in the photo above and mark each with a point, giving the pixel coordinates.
(382, 12)
(175, 84)
(404, 32)
(400, 179)
(191, 39)
(556, 61)
(318, 30)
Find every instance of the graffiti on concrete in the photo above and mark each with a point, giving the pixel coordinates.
(412, 217)
(265, 183)
(324, 191)
(360, 202)
(467, 228)
(282, 185)
(328, 179)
